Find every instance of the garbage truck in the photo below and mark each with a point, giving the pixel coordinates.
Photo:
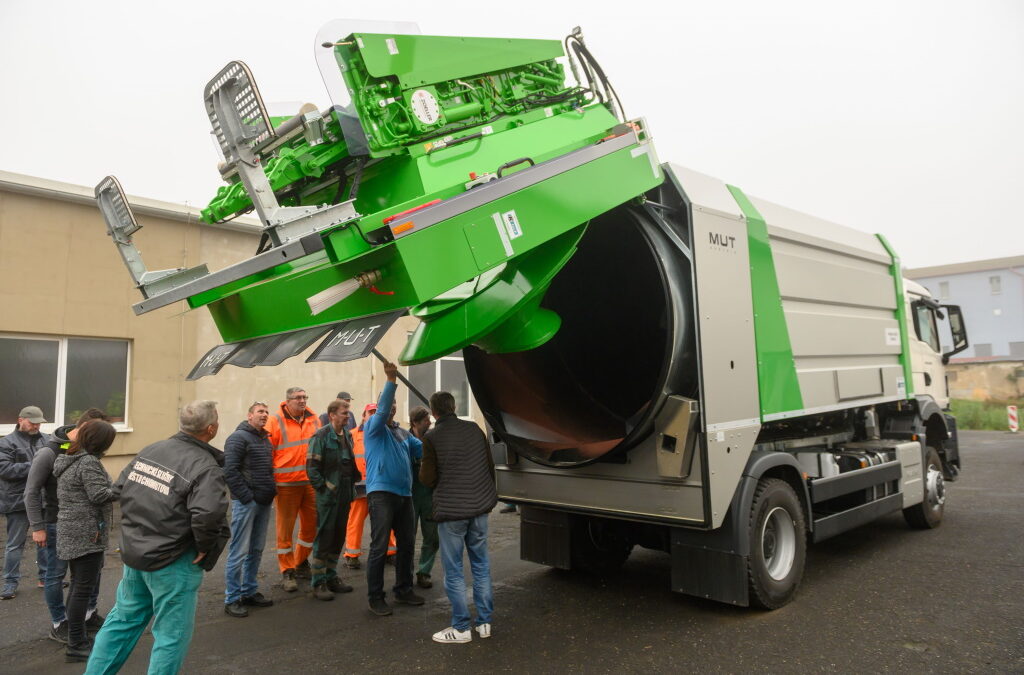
(662, 359)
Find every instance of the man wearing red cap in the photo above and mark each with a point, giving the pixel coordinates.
(360, 508)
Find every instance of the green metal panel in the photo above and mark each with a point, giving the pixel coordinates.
(776, 370)
(901, 315)
(427, 59)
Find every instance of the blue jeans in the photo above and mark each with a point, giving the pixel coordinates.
(248, 536)
(56, 570)
(470, 534)
(17, 529)
(168, 594)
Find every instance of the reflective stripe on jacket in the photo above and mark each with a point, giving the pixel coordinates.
(290, 439)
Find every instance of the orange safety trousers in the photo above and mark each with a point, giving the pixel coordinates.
(292, 501)
(357, 514)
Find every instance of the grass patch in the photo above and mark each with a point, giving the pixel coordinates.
(983, 415)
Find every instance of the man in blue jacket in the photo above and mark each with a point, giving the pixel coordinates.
(389, 492)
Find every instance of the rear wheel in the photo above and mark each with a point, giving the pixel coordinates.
(778, 544)
(928, 514)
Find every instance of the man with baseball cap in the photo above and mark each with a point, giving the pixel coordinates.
(16, 452)
(351, 424)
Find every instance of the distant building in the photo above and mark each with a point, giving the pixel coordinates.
(991, 295)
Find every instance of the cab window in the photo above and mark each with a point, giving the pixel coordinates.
(924, 324)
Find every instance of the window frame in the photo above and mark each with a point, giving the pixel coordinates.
(62, 366)
(437, 385)
(934, 343)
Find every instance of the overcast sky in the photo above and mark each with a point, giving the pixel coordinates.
(905, 118)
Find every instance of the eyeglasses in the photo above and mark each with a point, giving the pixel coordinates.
(298, 398)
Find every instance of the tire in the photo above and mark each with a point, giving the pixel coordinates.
(928, 514)
(597, 549)
(778, 544)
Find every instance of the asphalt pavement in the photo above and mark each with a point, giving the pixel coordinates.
(882, 598)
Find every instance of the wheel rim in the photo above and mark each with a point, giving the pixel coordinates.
(935, 488)
(778, 543)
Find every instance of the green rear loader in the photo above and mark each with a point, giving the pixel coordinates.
(662, 360)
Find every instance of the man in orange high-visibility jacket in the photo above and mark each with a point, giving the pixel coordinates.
(360, 509)
(290, 427)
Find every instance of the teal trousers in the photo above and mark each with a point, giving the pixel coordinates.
(168, 596)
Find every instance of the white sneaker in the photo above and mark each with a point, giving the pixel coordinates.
(484, 630)
(449, 634)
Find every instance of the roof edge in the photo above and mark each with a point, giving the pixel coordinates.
(965, 267)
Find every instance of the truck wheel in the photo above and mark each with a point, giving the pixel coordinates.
(778, 544)
(597, 549)
(928, 514)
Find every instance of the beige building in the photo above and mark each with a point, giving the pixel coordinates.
(70, 340)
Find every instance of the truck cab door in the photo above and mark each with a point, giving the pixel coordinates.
(926, 353)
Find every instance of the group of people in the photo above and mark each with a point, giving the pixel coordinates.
(328, 473)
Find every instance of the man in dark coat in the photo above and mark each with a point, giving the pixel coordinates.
(173, 526)
(249, 473)
(457, 464)
(331, 467)
(16, 452)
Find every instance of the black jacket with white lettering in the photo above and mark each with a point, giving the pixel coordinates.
(173, 501)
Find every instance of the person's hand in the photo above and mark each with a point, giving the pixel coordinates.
(390, 371)
(199, 558)
(39, 537)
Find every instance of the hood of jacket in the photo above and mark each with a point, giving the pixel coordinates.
(64, 461)
(60, 436)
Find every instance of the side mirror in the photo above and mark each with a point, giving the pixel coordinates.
(958, 330)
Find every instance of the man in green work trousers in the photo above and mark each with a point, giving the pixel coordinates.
(332, 472)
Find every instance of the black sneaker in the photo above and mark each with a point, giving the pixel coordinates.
(94, 622)
(303, 571)
(60, 633)
(380, 607)
(257, 599)
(236, 610)
(78, 654)
(409, 598)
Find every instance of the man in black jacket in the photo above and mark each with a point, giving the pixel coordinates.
(173, 526)
(457, 464)
(16, 452)
(249, 473)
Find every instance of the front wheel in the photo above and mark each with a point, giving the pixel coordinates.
(928, 514)
(778, 544)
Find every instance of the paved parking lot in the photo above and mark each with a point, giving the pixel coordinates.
(880, 598)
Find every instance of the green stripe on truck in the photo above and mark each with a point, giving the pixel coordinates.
(901, 315)
(776, 371)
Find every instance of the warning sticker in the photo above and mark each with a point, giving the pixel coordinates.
(901, 386)
(392, 46)
(892, 337)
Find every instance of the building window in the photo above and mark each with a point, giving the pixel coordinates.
(983, 349)
(63, 376)
(944, 290)
(448, 373)
(996, 283)
(1017, 349)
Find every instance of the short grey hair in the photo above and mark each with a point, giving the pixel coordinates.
(196, 416)
(292, 390)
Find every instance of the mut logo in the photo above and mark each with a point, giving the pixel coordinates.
(723, 240)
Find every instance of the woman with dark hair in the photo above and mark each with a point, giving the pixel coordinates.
(85, 493)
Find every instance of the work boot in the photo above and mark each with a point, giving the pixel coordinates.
(336, 585)
(380, 607)
(352, 562)
(288, 582)
(409, 598)
(78, 653)
(303, 571)
(320, 592)
(236, 610)
(10, 590)
(423, 581)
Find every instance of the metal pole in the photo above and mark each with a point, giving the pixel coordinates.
(401, 377)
